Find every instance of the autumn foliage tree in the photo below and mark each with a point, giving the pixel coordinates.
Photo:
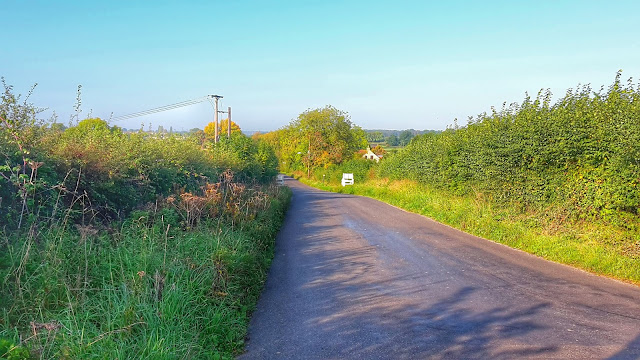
(378, 150)
(318, 138)
(223, 129)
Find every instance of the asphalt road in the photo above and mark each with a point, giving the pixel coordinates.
(354, 278)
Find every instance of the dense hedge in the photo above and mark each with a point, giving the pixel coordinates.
(93, 171)
(581, 153)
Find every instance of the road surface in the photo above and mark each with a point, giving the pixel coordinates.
(354, 278)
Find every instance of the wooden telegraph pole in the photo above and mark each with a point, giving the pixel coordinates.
(215, 116)
(229, 123)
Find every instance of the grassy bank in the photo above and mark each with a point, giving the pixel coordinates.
(149, 288)
(593, 246)
(129, 245)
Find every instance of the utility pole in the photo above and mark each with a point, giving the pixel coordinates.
(309, 158)
(229, 123)
(215, 115)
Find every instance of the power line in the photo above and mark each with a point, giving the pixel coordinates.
(162, 108)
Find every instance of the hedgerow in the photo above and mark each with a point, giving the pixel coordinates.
(580, 154)
(98, 172)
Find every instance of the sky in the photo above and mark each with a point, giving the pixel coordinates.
(389, 64)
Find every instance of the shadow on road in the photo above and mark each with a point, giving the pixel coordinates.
(365, 314)
(631, 351)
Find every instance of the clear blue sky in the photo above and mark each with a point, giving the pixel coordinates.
(389, 64)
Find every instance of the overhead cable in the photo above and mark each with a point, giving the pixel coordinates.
(161, 109)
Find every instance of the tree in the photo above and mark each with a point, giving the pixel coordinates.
(210, 129)
(319, 138)
(405, 137)
(224, 126)
(375, 136)
(378, 150)
(58, 127)
(392, 140)
(198, 136)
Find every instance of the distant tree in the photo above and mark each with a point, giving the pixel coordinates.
(392, 140)
(198, 136)
(90, 124)
(224, 126)
(375, 136)
(319, 138)
(58, 127)
(405, 137)
(210, 129)
(378, 150)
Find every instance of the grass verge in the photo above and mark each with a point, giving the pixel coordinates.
(593, 246)
(147, 290)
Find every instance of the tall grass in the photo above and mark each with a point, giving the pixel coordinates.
(144, 289)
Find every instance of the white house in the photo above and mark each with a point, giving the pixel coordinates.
(370, 155)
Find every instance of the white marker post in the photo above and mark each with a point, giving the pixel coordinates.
(347, 179)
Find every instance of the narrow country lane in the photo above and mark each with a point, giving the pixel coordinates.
(354, 278)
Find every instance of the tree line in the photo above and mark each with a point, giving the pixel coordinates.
(395, 137)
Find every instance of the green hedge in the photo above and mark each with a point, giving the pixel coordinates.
(581, 153)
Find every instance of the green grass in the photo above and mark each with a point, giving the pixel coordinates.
(594, 246)
(146, 290)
